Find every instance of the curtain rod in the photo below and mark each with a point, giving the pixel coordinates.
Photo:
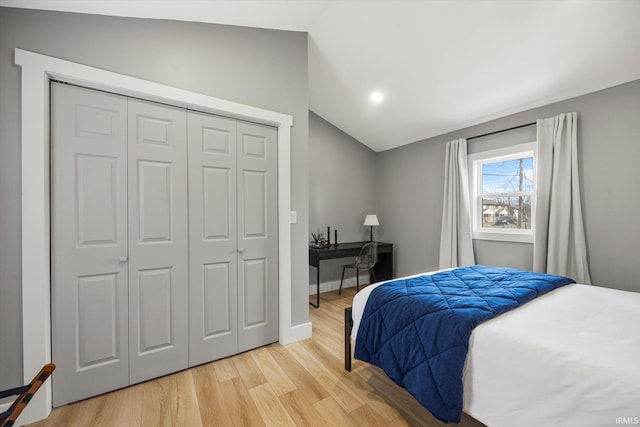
(503, 130)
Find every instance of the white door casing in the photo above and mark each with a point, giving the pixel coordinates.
(36, 72)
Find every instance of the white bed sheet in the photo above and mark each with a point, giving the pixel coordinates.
(568, 358)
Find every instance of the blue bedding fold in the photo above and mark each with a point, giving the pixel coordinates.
(417, 330)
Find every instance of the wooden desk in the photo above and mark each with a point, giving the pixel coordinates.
(383, 269)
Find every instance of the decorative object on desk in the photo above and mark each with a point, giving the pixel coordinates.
(318, 241)
(321, 245)
(335, 239)
(371, 220)
(329, 236)
(317, 238)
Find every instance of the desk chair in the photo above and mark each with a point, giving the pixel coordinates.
(24, 393)
(365, 261)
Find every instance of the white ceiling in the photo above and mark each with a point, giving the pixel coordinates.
(442, 65)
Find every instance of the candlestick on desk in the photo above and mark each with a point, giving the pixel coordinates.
(335, 240)
(328, 235)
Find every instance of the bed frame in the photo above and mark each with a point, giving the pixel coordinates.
(348, 327)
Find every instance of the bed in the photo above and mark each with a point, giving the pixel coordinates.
(569, 357)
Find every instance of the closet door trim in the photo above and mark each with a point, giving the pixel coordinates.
(36, 71)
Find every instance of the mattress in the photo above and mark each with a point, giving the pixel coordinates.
(570, 357)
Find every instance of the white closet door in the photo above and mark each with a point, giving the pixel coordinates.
(257, 236)
(89, 296)
(156, 266)
(213, 238)
(158, 240)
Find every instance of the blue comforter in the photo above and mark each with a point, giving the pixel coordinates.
(417, 330)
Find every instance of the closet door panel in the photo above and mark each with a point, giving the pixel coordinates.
(88, 238)
(213, 238)
(216, 300)
(155, 200)
(254, 272)
(154, 309)
(258, 239)
(97, 311)
(216, 200)
(158, 240)
(96, 196)
(254, 201)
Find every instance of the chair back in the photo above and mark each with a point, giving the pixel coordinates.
(368, 256)
(24, 393)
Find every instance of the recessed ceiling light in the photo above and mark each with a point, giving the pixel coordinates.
(377, 97)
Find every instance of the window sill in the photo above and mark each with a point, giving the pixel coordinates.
(503, 236)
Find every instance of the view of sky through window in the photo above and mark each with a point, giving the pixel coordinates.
(508, 176)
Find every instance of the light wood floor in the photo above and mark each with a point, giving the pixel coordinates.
(301, 384)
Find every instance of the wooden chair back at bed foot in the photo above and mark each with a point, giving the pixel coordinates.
(24, 393)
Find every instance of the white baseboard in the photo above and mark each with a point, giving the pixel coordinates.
(334, 285)
(297, 333)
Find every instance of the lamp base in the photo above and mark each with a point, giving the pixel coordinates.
(371, 236)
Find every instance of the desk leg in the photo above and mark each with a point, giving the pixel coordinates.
(317, 304)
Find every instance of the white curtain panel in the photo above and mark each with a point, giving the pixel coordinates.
(456, 247)
(559, 242)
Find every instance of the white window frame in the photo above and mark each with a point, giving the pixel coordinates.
(476, 161)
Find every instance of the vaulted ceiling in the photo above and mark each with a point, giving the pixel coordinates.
(440, 65)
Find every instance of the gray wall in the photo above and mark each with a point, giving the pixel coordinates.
(341, 189)
(410, 185)
(262, 68)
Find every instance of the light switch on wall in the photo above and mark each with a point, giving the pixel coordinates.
(294, 217)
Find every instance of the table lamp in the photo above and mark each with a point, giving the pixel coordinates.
(371, 220)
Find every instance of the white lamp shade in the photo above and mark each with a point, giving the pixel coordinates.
(371, 220)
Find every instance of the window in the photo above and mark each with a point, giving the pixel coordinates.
(502, 190)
